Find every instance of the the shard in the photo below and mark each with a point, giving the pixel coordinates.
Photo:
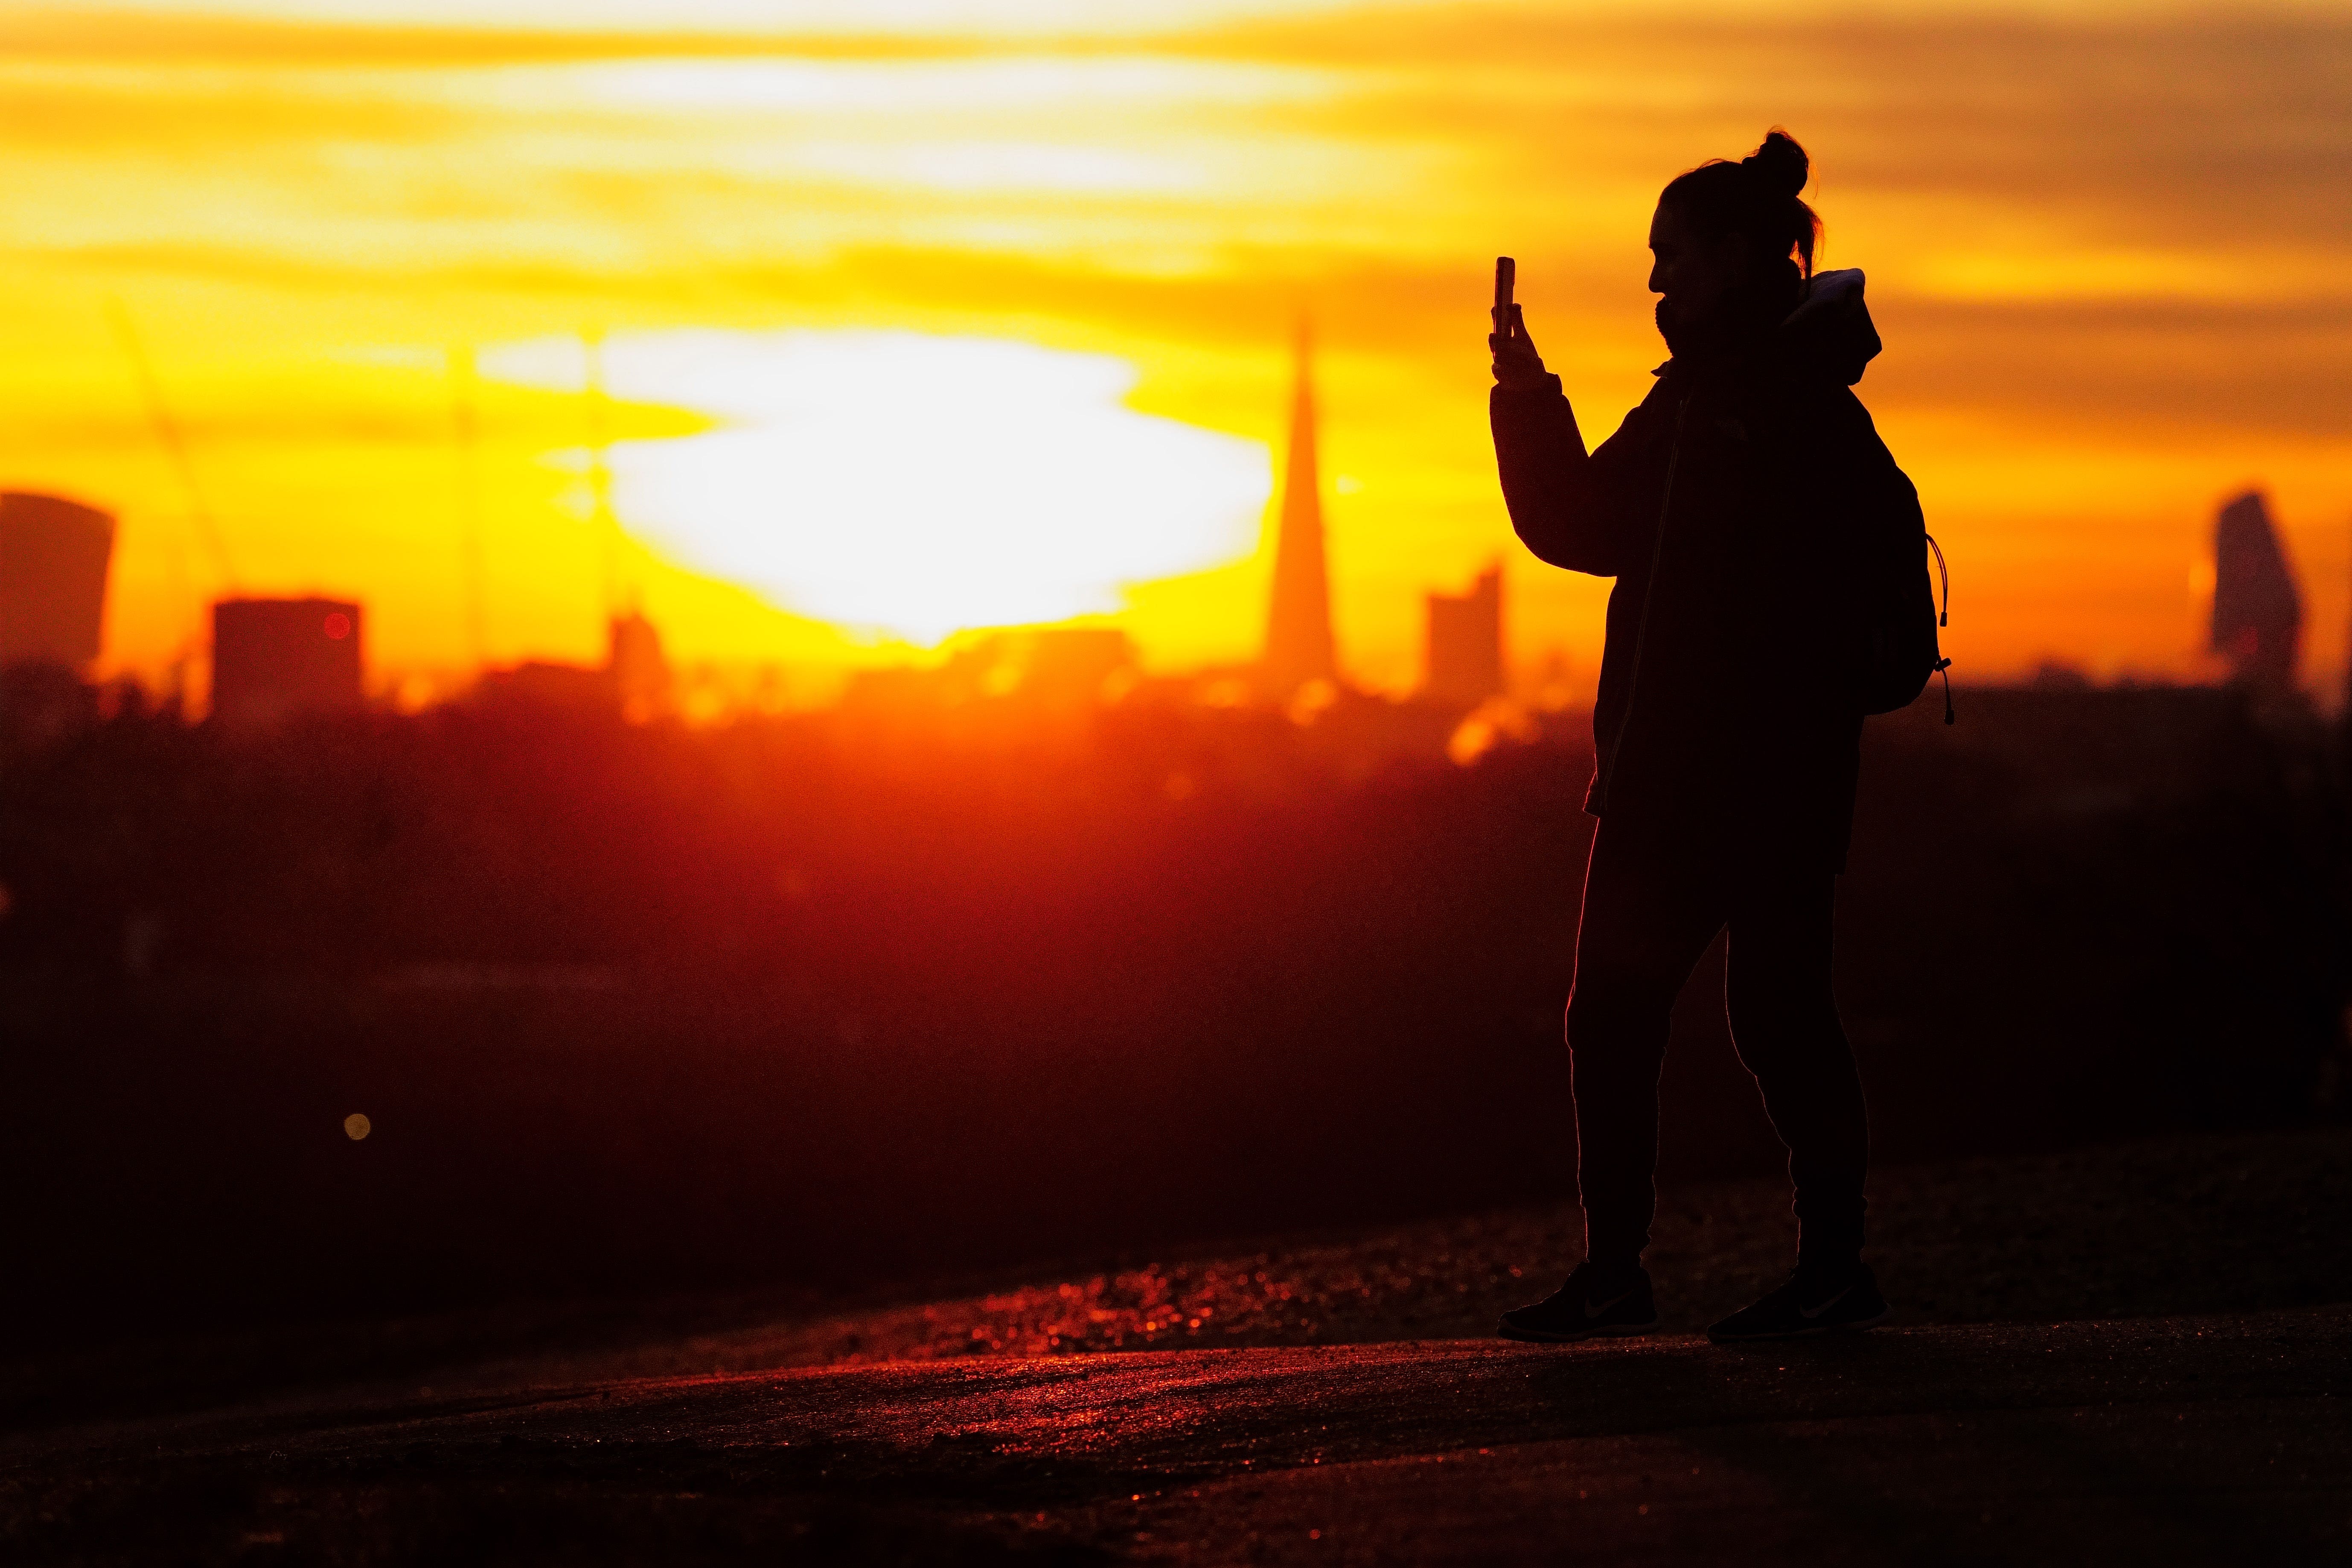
(1298, 622)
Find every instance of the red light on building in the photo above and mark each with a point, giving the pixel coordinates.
(275, 658)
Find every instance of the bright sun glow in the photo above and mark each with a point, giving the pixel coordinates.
(912, 485)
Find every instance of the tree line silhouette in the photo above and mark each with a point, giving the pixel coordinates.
(824, 999)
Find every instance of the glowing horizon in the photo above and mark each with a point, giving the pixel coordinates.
(2101, 244)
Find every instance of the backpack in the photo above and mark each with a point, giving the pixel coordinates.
(1900, 649)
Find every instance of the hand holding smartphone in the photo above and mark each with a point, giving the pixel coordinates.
(1517, 364)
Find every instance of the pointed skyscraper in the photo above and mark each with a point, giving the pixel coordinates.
(2257, 611)
(1299, 623)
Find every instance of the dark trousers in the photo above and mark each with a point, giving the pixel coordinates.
(1652, 905)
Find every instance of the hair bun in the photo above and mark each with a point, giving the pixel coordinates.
(1781, 163)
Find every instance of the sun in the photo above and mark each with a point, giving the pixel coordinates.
(913, 485)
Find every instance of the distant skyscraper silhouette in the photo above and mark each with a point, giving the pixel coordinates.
(2257, 611)
(2344, 714)
(275, 658)
(53, 560)
(1298, 622)
(1465, 641)
(639, 671)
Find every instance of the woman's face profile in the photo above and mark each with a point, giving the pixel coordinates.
(1694, 277)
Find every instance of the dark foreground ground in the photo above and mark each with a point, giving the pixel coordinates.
(2131, 1354)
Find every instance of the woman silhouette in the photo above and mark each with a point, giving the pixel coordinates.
(1737, 509)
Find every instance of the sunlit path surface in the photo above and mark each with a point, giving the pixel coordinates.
(2167, 1440)
(2198, 1413)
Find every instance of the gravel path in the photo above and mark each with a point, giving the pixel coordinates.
(2181, 1226)
(2134, 1354)
(2163, 1440)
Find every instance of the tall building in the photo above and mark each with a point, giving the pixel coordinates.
(53, 562)
(635, 665)
(275, 658)
(2343, 713)
(1465, 642)
(2257, 611)
(1298, 621)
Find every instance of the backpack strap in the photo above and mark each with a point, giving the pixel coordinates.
(1943, 666)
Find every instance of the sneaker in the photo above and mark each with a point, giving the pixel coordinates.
(1594, 1301)
(1806, 1306)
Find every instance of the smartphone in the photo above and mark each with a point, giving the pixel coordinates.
(1505, 273)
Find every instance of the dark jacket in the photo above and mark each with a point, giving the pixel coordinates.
(1736, 507)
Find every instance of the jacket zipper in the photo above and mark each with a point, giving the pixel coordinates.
(1649, 593)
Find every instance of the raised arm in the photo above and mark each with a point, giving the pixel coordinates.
(1569, 507)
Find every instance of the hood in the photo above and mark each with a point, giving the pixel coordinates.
(1829, 330)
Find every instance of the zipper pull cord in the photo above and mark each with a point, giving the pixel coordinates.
(1944, 618)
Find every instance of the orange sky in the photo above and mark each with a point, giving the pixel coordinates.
(2106, 246)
